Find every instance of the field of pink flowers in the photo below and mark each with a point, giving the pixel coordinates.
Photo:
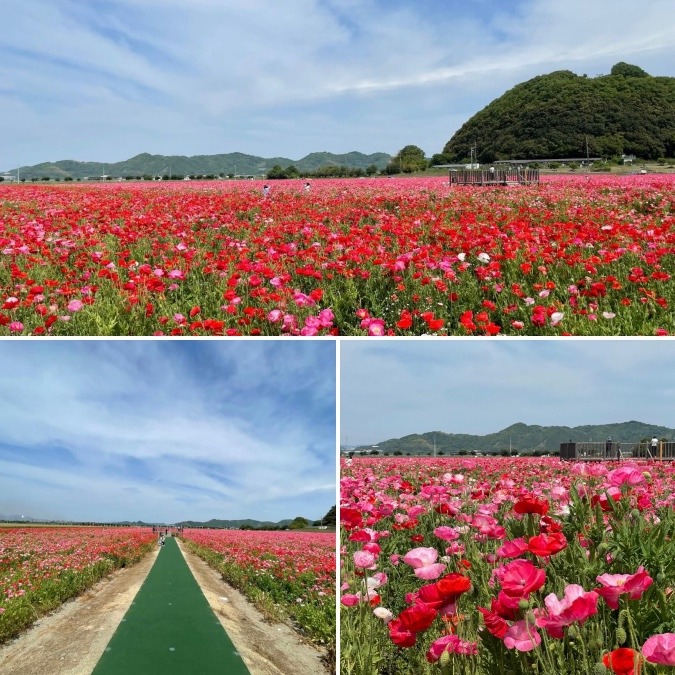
(285, 573)
(496, 565)
(586, 255)
(41, 567)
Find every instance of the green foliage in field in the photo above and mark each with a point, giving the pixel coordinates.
(550, 116)
(630, 541)
(279, 599)
(20, 612)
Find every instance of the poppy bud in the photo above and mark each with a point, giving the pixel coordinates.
(621, 636)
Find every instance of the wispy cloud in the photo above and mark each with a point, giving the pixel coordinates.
(261, 76)
(237, 427)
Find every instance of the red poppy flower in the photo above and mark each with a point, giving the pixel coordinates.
(623, 661)
(531, 504)
(547, 544)
(417, 618)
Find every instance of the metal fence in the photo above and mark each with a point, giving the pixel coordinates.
(593, 450)
(494, 176)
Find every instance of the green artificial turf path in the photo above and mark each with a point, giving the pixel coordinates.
(170, 628)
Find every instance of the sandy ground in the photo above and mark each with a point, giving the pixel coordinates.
(70, 641)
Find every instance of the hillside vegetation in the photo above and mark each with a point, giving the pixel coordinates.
(551, 116)
(233, 163)
(519, 437)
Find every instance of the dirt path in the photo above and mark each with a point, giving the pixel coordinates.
(267, 649)
(71, 640)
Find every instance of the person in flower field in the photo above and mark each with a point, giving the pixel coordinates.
(655, 445)
(266, 190)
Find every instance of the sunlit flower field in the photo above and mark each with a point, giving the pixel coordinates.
(499, 566)
(41, 567)
(583, 255)
(286, 574)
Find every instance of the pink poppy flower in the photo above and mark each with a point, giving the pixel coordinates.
(660, 649)
(575, 606)
(349, 600)
(364, 559)
(16, 326)
(522, 636)
(512, 548)
(628, 475)
(303, 300)
(615, 585)
(423, 561)
(520, 578)
(446, 533)
(75, 305)
(451, 644)
(326, 317)
(376, 327)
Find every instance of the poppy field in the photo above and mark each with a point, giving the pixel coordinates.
(42, 567)
(506, 566)
(285, 574)
(582, 255)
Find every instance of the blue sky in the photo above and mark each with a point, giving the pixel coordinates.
(104, 80)
(167, 431)
(393, 388)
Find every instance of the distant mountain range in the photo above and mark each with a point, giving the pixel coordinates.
(216, 524)
(213, 523)
(518, 437)
(235, 163)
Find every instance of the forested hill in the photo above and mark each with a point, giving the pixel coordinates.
(519, 437)
(550, 116)
(235, 163)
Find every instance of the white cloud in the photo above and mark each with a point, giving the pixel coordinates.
(203, 77)
(146, 414)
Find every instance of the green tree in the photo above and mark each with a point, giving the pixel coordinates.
(329, 518)
(409, 159)
(276, 172)
(298, 523)
(628, 70)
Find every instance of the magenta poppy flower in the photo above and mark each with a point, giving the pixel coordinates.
(522, 636)
(75, 305)
(615, 585)
(660, 649)
(423, 561)
(576, 606)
